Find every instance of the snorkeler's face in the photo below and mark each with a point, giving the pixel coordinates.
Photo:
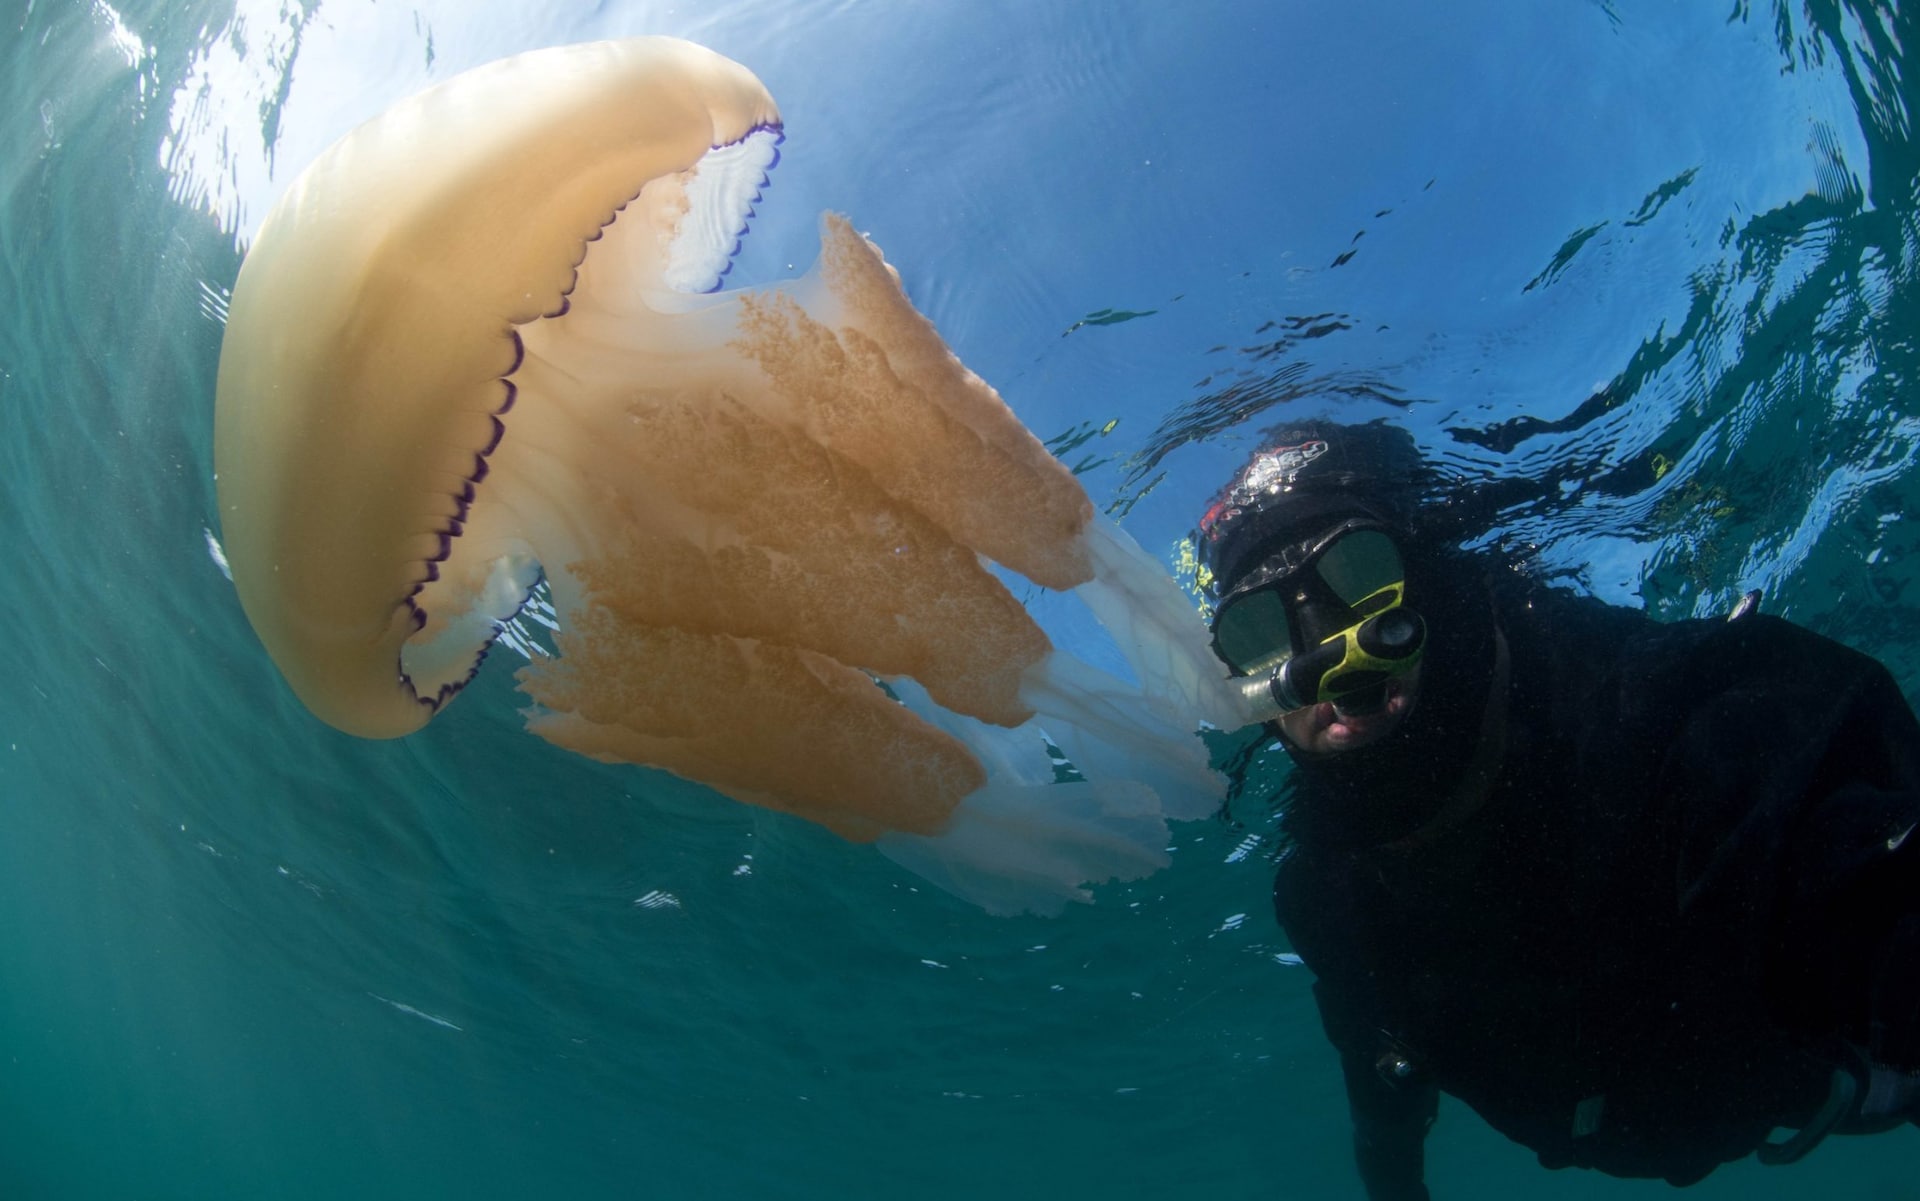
(1323, 729)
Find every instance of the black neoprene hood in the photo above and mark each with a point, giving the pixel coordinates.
(1306, 479)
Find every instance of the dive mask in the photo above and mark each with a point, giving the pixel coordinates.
(1321, 620)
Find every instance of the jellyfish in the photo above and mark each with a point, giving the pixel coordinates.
(482, 342)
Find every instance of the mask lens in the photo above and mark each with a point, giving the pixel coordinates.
(1360, 568)
(1253, 629)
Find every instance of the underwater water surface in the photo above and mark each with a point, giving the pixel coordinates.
(1658, 257)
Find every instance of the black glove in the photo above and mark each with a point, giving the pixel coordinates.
(1392, 1164)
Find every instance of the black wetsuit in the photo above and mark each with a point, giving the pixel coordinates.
(1634, 914)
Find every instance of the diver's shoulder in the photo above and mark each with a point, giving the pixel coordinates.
(1522, 603)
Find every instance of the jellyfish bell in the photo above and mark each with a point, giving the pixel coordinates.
(366, 377)
(478, 344)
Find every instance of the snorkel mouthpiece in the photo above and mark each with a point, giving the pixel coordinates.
(1362, 703)
(1351, 669)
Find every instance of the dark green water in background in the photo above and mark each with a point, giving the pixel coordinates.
(1658, 255)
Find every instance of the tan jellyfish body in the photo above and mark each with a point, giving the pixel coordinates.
(471, 347)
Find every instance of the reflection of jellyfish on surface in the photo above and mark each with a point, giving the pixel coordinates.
(467, 349)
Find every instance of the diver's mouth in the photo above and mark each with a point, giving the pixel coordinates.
(1354, 727)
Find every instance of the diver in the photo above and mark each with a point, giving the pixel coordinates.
(1645, 896)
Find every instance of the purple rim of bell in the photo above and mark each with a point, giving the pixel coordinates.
(469, 487)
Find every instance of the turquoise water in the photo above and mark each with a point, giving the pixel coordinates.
(1659, 255)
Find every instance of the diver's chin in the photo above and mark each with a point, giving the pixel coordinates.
(1323, 729)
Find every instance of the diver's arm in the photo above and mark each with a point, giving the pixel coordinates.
(1893, 1004)
(1390, 1117)
(1390, 1124)
(1809, 812)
